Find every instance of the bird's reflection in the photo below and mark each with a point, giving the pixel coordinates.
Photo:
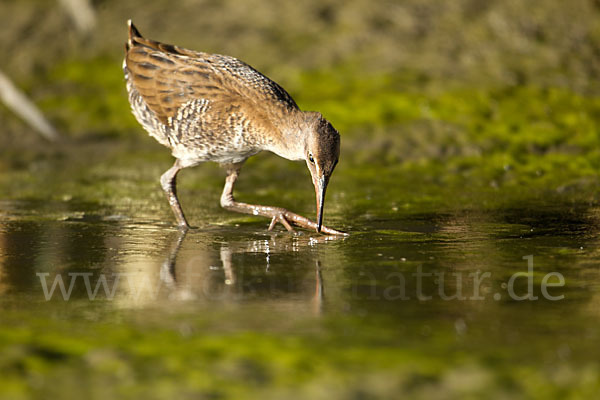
(319, 291)
(167, 271)
(225, 253)
(190, 273)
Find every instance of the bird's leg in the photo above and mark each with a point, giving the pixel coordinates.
(277, 214)
(168, 181)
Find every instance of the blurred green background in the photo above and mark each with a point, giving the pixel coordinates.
(503, 91)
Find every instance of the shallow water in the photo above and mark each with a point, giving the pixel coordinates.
(439, 300)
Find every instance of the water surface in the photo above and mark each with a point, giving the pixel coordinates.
(425, 297)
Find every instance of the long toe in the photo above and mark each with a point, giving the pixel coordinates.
(330, 231)
(280, 218)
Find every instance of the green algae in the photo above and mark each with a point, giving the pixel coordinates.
(527, 136)
(146, 358)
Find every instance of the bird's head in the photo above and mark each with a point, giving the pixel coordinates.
(322, 151)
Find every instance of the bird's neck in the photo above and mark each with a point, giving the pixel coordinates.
(290, 142)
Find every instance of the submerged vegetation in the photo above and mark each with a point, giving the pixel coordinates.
(191, 359)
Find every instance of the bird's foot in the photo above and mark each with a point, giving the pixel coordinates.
(287, 218)
(182, 225)
(280, 217)
(278, 214)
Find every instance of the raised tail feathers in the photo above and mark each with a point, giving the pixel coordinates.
(133, 33)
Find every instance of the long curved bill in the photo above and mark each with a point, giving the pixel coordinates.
(320, 188)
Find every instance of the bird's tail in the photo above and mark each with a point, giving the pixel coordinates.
(133, 33)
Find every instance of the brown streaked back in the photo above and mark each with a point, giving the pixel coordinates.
(168, 76)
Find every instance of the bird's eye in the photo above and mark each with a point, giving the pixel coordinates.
(310, 158)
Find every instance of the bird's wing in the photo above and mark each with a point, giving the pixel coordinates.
(168, 77)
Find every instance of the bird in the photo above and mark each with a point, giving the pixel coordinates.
(212, 107)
